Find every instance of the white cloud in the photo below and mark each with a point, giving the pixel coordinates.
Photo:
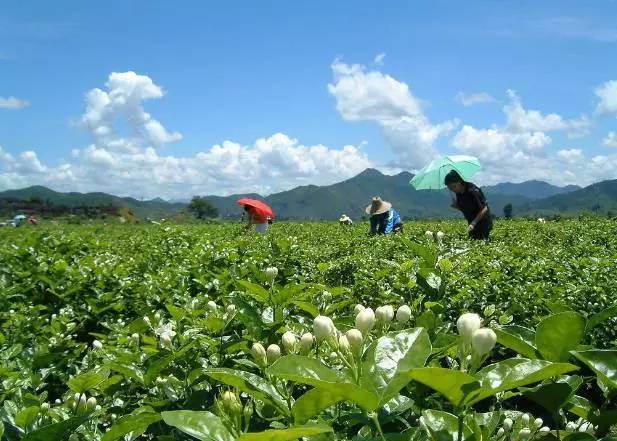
(610, 140)
(607, 93)
(13, 103)
(521, 120)
(571, 155)
(123, 99)
(379, 58)
(471, 99)
(363, 95)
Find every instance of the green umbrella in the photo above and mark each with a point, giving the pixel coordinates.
(432, 176)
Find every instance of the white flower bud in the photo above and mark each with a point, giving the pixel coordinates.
(333, 356)
(259, 354)
(91, 403)
(440, 235)
(355, 339)
(586, 427)
(231, 403)
(365, 320)
(165, 340)
(403, 314)
(53, 316)
(525, 419)
(157, 316)
(467, 324)
(571, 426)
(306, 341)
(323, 327)
(271, 272)
(289, 341)
(135, 337)
(212, 306)
(538, 422)
(429, 235)
(500, 432)
(147, 319)
(97, 344)
(58, 401)
(80, 401)
(343, 344)
(483, 341)
(45, 407)
(507, 424)
(273, 353)
(384, 314)
(544, 430)
(231, 309)
(524, 433)
(358, 309)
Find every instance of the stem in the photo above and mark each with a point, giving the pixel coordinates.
(378, 426)
(461, 416)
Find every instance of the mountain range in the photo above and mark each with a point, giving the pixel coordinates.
(351, 196)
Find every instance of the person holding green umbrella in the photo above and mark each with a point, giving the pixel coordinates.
(470, 200)
(454, 172)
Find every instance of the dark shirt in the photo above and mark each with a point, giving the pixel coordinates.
(471, 202)
(385, 223)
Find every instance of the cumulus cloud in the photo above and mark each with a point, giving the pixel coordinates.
(521, 120)
(610, 140)
(13, 103)
(517, 150)
(363, 95)
(123, 97)
(471, 99)
(607, 93)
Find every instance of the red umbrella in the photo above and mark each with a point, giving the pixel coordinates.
(260, 206)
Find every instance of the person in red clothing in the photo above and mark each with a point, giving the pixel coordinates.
(256, 217)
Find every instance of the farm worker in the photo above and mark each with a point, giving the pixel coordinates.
(345, 220)
(384, 219)
(471, 201)
(256, 217)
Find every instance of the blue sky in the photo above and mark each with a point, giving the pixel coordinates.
(245, 71)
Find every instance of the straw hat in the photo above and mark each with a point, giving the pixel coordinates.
(377, 206)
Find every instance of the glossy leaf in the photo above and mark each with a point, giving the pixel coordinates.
(131, 424)
(56, 430)
(313, 402)
(291, 434)
(443, 426)
(307, 370)
(558, 334)
(389, 358)
(89, 380)
(453, 385)
(250, 383)
(517, 338)
(602, 362)
(204, 426)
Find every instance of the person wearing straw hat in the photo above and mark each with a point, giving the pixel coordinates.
(470, 200)
(384, 219)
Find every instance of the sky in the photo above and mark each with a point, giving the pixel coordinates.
(172, 99)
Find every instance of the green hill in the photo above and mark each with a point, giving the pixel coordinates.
(155, 208)
(600, 198)
(530, 189)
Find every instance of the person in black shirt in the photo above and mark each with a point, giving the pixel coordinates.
(471, 201)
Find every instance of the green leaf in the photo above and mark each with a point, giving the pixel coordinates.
(291, 434)
(517, 338)
(580, 436)
(453, 385)
(603, 362)
(389, 358)
(204, 426)
(256, 291)
(600, 317)
(87, 381)
(129, 370)
(131, 424)
(250, 383)
(551, 396)
(443, 426)
(513, 373)
(313, 402)
(579, 406)
(56, 431)
(311, 371)
(306, 307)
(177, 313)
(27, 416)
(558, 334)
